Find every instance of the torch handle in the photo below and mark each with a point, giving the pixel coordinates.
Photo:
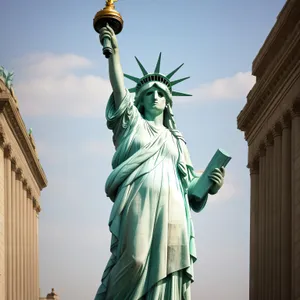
(107, 47)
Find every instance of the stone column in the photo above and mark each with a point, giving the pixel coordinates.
(296, 199)
(254, 229)
(18, 233)
(8, 218)
(28, 201)
(14, 228)
(37, 253)
(24, 192)
(22, 240)
(2, 221)
(30, 244)
(35, 245)
(276, 212)
(286, 210)
(261, 222)
(269, 217)
(32, 250)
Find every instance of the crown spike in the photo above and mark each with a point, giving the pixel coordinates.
(173, 72)
(178, 80)
(174, 93)
(141, 67)
(157, 68)
(135, 79)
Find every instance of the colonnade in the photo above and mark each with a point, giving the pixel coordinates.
(275, 212)
(21, 236)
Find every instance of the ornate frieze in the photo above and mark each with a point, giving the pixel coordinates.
(285, 23)
(283, 122)
(268, 86)
(12, 116)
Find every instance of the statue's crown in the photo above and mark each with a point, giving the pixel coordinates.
(156, 76)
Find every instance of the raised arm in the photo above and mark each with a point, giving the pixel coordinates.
(114, 65)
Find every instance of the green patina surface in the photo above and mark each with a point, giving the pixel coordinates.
(6, 77)
(153, 242)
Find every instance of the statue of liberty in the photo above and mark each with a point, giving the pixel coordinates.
(152, 235)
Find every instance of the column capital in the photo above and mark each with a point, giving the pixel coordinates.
(19, 173)
(262, 149)
(34, 202)
(277, 129)
(2, 139)
(38, 209)
(269, 139)
(295, 109)
(25, 183)
(13, 164)
(254, 166)
(36, 205)
(29, 192)
(7, 151)
(2, 136)
(286, 120)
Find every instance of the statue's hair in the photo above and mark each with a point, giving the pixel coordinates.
(169, 120)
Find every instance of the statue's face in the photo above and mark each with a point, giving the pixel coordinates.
(154, 101)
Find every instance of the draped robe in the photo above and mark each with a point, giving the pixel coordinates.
(153, 243)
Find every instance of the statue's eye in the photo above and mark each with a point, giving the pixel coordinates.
(160, 94)
(149, 93)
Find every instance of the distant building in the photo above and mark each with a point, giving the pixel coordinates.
(21, 181)
(271, 122)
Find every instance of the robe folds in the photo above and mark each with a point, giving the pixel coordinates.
(153, 243)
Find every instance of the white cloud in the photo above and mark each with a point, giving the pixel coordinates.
(49, 85)
(228, 88)
(50, 64)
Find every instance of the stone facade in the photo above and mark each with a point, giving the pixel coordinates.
(271, 123)
(21, 180)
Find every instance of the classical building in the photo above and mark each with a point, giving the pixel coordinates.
(21, 181)
(271, 123)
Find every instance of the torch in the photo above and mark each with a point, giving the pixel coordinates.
(108, 15)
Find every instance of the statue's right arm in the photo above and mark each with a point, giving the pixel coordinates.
(115, 69)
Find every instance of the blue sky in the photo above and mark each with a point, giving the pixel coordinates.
(62, 85)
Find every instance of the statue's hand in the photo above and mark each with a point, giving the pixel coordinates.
(108, 32)
(217, 177)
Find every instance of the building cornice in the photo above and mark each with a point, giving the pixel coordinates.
(286, 22)
(278, 72)
(8, 107)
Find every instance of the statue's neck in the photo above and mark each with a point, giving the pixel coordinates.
(157, 120)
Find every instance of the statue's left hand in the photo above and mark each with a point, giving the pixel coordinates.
(217, 177)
